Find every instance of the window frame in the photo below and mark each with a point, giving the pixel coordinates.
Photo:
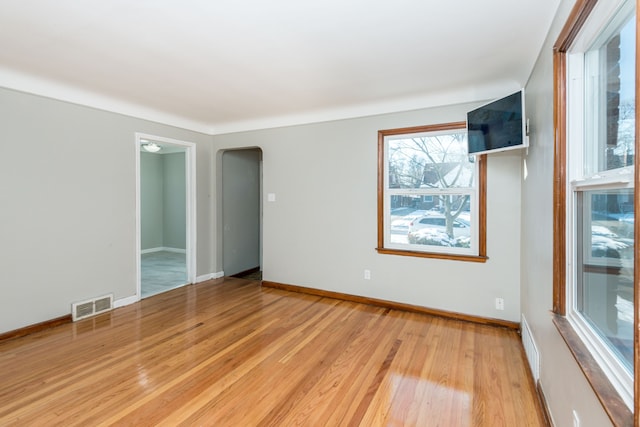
(481, 179)
(611, 400)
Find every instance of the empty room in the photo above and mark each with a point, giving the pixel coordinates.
(352, 213)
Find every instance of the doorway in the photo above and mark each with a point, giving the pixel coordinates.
(165, 214)
(241, 201)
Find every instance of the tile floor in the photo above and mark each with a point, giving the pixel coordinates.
(162, 271)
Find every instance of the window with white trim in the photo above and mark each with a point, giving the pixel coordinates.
(429, 198)
(600, 189)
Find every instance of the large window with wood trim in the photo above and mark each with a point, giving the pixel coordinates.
(595, 193)
(430, 193)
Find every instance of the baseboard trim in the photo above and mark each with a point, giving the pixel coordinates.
(27, 330)
(543, 403)
(175, 250)
(211, 276)
(150, 251)
(394, 305)
(163, 248)
(125, 301)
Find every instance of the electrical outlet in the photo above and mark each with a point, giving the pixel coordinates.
(367, 275)
(576, 419)
(499, 303)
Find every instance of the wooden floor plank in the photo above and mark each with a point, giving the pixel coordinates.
(229, 352)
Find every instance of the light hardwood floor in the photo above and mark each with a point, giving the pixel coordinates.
(231, 353)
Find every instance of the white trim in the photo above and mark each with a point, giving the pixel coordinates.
(138, 239)
(150, 250)
(174, 250)
(599, 19)
(621, 380)
(23, 82)
(583, 74)
(211, 276)
(125, 301)
(432, 99)
(163, 249)
(191, 217)
(40, 86)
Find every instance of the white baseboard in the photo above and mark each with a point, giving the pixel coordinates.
(176, 250)
(150, 250)
(125, 301)
(211, 276)
(163, 248)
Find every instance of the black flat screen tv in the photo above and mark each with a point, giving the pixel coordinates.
(497, 126)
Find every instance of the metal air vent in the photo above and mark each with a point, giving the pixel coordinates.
(88, 308)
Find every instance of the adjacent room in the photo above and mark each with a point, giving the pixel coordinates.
(163, 219)
(333, 213)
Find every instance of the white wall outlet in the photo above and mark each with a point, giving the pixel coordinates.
(499, 303)
(367, 275)
(271, 197)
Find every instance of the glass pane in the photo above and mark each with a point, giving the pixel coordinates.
(430, 161)
(405, 209)
(605, 267)
(438, 220)
(612, 122)
(451, 228)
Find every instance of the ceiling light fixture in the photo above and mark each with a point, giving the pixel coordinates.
(152, 147)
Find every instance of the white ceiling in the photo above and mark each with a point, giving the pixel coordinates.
(219, 66)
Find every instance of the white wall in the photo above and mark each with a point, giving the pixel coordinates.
(562, 381)
(67, 210)
(151, 201)
(174, 201)
(163, 218)
(68, 214)
(321, 231)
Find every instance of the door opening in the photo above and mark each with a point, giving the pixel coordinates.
(165, 214)
(240, 187)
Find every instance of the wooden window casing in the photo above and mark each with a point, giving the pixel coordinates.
(611, 401)
(482, 190)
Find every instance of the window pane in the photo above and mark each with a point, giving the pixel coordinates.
(605, 267)
(405, 209)
(430, 161)
(611, 85)
(438, 220)
(446, 227)
(429, 193)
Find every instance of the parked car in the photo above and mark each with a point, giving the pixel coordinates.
(620, 223)
(607, 244)
(461, 227)
(401, 225)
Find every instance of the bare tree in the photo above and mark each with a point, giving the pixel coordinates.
(437, 161)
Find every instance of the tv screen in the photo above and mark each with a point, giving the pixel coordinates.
(498, 125)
